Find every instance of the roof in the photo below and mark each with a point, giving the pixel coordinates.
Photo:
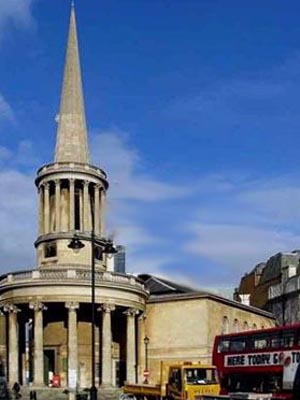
(276, 263)
(208, 296)
(156, 285)
(162, 290)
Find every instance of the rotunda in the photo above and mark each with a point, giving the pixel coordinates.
(48, 310)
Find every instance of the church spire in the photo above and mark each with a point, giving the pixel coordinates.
(71, 142)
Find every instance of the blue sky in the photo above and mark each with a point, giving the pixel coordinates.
(193, 109)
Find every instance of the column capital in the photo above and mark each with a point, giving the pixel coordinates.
(46, 185)
(72, 305)
(11, 308)
(86, 183)
(97, 186)
(57, 181)
(72, 181)
(107, 307)
(37, 306)
(142, 317)
(131, 312)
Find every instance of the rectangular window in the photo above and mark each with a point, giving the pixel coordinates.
(223, 346)
(98, 252)
(237, 344)
(50, 250)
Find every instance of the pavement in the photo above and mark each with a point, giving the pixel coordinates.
(62, 394)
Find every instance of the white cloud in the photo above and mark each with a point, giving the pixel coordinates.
(132, 235)
(149, 263)
(277, 201)
(246, 222)
(112, 151)
(18, 215)
(16, 13)
(6, 111)
(5, 154)
(239, 246)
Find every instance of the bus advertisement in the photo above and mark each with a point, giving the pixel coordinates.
(261, 361)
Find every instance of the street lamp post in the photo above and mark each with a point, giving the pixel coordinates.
(146, 371)
(108, 248)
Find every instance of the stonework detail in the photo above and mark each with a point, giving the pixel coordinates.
(72, 305)
(72, 133)
(37, 306)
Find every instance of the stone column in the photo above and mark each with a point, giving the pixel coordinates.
(97, 208)
(72, 205)
(102, 213)
(13, 355)
(106, 344)
(72, 345)
(46, 208)
(130, 346)
(38, 373)
(86, 207)
(57, 206)
(41, 210)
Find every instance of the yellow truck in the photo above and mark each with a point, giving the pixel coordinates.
(181, 381)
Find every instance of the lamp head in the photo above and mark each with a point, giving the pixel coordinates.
(109, 248)
(75, 244)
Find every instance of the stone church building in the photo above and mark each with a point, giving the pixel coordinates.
(45, 327)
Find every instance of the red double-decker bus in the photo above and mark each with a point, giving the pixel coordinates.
(262, 361)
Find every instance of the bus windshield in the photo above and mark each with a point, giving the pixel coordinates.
(200, 376)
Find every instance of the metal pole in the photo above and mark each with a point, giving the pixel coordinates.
(146, 363)
(283, 309)
(93, 388)
(146, 355)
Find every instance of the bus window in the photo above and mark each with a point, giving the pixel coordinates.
(288, 338)
(223, 346)
(275, 341)
(297, 337)
(237, 344)
(260, 342)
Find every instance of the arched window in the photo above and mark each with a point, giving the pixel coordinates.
(245, 326)
(254, 326)
(225, 325)
(236, 325)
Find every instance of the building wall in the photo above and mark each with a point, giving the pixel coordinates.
(237, 320)
(177, 331)
(184, 330)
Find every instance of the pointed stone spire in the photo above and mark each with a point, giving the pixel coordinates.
(71, 142)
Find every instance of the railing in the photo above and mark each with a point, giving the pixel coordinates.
(70, 274)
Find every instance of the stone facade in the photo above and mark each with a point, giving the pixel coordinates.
(183, 326)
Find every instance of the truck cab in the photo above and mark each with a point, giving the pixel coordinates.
(190, 381)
